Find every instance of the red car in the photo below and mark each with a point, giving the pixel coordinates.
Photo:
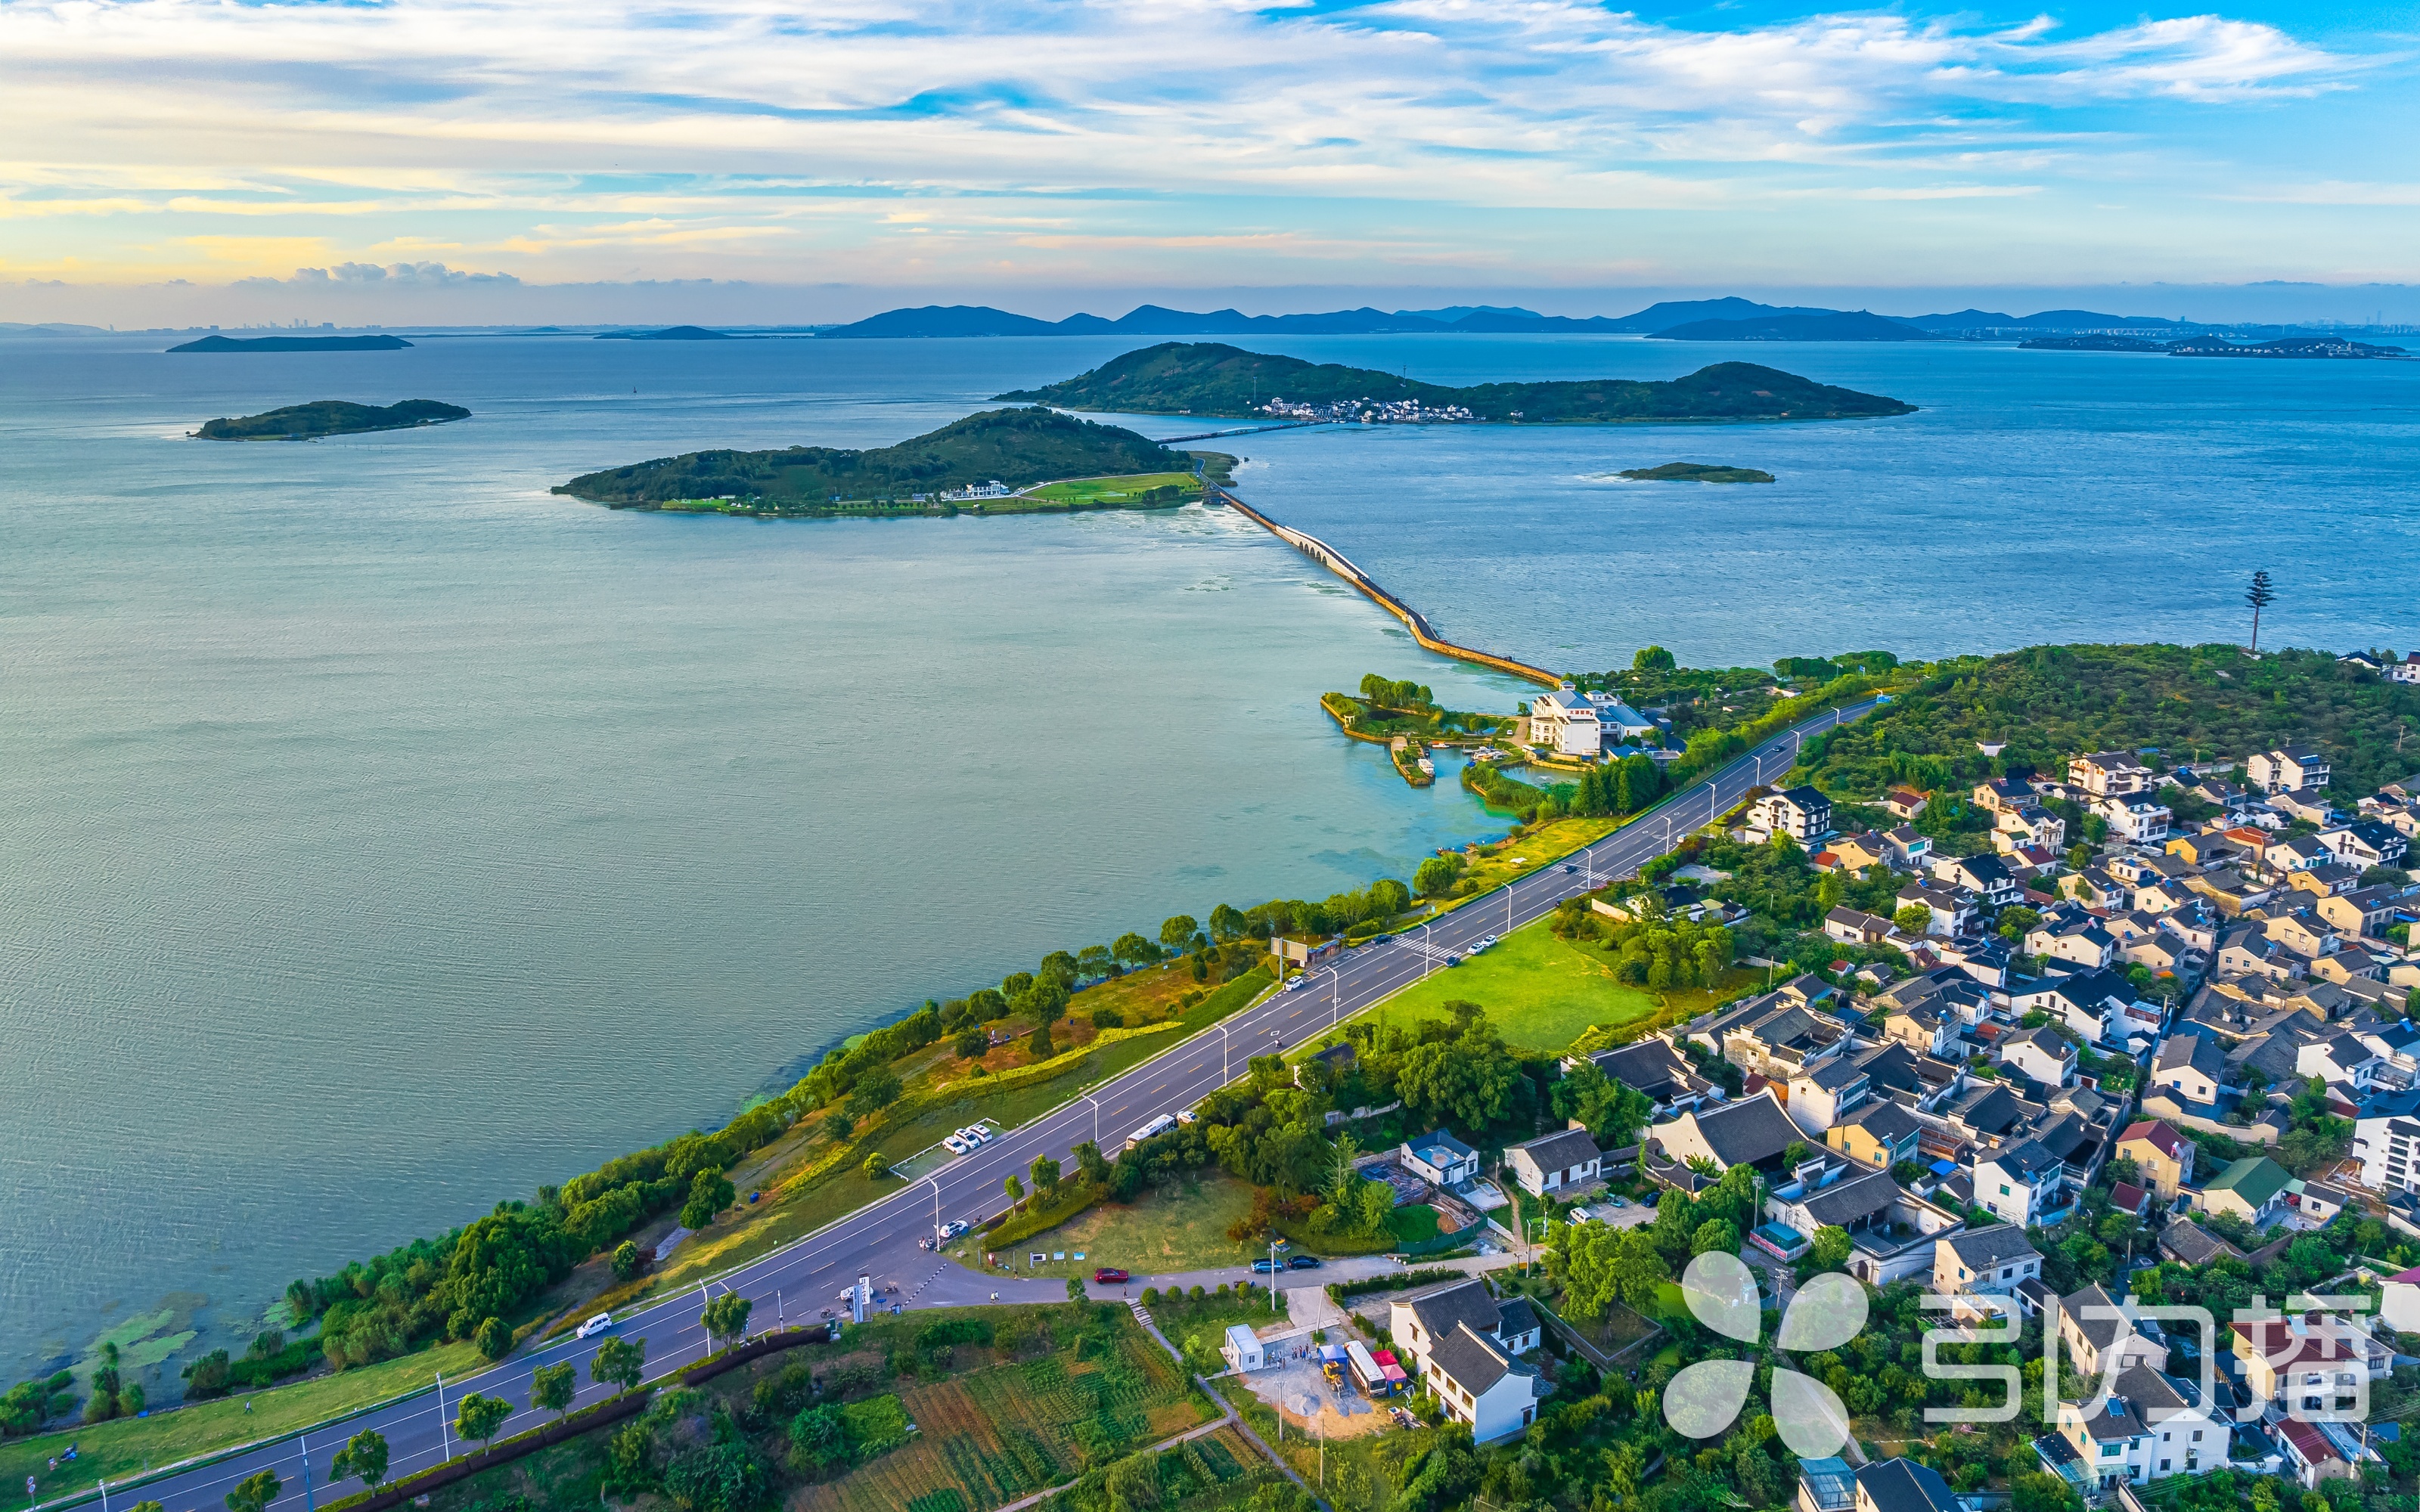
(1111, 1272)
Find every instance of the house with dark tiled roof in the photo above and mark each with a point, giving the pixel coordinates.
(2096, 1329)
(1984, 1262)
(1754, 1130)
(2146, 1428)
(1880, 1134)
(2189, 1244)
(1656, 1070)
(1480, 1383)
(1903, 1485)
(1557, 1163)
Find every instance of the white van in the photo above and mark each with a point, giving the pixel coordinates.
(601, 1324)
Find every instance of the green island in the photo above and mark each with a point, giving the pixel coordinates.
(1695, 473)
(330, 417)
(1213, 379)
(294, 344)
(988, 463)
(959, 1409)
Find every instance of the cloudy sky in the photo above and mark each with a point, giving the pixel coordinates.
(439, 150)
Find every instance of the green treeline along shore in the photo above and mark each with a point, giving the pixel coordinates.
(330, 417)
(1020, 448)
(1211, 379)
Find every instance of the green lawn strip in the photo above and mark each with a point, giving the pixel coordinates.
(1534, 851)
(1413, 1225)
(1542, 993)
(126, 1446)
(1091, 490)
(1179, 1227)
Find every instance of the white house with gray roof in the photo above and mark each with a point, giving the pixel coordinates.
(2021, 1183)
(1754, 1130)
(1420, 1320)
(1480, 1383)
(1438, 1158)
(1557, 1163)
(1984, 1262)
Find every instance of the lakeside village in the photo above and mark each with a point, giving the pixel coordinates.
(1367, 411)
(2113, 1031)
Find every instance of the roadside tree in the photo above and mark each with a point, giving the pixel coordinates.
(254, 1492)
(494, 1340)
(876, 1166)
(552, 1389)
(619, 1362)
(479, 1417)
(627, 1257)
(1045, 1172)
(364, 1457)
(726, 1316)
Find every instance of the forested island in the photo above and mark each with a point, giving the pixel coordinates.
(1213, 379)
(294, 344)
(1011, 449)
(330, 417)
(1695, 473)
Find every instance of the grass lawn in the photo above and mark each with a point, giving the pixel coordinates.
(1081, 491)
(1414, 1225)
(1541, 991)
(1540, 847)
(1179, 1227)
(129, 1445)
(1199, 1325)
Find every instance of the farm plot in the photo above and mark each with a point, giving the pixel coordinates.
(1004, 1431)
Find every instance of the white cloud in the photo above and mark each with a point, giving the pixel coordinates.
(545, 129)
(396, 275)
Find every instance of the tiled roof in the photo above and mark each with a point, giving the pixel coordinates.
(2159, 1136)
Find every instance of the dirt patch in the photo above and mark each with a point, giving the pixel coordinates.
(1338, 1412)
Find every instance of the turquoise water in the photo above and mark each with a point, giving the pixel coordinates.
(387, 836)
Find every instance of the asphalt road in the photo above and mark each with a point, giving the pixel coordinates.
(806, 1280)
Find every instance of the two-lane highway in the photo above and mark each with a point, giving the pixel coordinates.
(802, 1282)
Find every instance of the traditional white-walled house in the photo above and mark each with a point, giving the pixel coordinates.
(1480, 1383)
(1555, 1162)
(1655, 1069)
(2194, 1066)
(2364, 843)
(1821, 1097)
(2137, 817)
(1418, 1321)
(2093, 1004)
(1754, 1130)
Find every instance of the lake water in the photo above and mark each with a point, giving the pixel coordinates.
(387, 836)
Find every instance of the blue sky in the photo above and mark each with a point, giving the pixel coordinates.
(445, 157)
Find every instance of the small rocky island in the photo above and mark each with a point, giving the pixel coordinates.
(1693, 472)
(1000, 461)
(330, 417)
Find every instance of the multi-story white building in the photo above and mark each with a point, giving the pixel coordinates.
(2286, 770)
(1566, 722)
(2386, 1141)
(2021, 1183)
(1801, 813)
(2109, 771)
(2148, 1427)
(2135, 817)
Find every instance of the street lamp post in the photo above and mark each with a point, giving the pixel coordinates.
(1097, 1116)
(444, 1440)
(1224, 1075)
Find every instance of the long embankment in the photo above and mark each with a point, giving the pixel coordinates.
(1338, 564)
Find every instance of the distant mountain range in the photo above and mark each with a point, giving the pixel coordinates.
(1724, 319)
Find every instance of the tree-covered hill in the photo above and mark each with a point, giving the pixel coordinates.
(1019, 447)
(2189, 702)
(330, 417)
(1213, 379)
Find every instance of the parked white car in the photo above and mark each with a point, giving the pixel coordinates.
(954, 1144)
(601, 1324)
(980, 1134)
